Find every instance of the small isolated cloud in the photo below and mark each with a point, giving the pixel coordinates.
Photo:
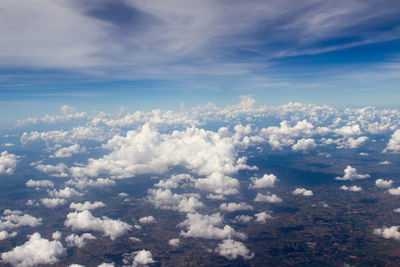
(67, 152)
(350, 174)
(231, 250)
(397, 210)
(231, 207)
(304, 144)
(174, 242)
(165, 199)
(147, 220)
(96, 183)
(267, 198)
(53, 202)
(66, 192)
(268, 180)
(8, 163)
(138, 258)
(394, 191)
(14, 219)
(67, 109)
(39, 183)
(56, 235)
(352, 188)
(388, 232)
(384, 162)
(244, 218)
(106, 264)
(208, 227)
(383, 183)
(5, 235)
(35, 251)
(123, 194)
(303, 192)
(86, 205)
(394, 143)
(58, 170)
(78, 241)
(262, 217)
(85, 221)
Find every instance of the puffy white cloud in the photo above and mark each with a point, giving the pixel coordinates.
(262, 217)
(218, 184)
(5, 234)
(105, 264)
(394, 191)
(394, 143)
(39, 183)
(56, 235)
(138, 258)
(78, 241)
(303, 192)
(66, 192)
(97, 183)
(53, 202)
(383, 183)
(397, 210)
(67, 152)
(174, 181)
(147, 220)
(231, 250)
(35, 251)
(123, 194)
(208, 227)
(268, 180)
(58, 170)
(350, 174)
(352, 188)
(384, 162)
(14, 218)
(174, 242)
(304, 144)
(86, 205)
(231, 207)
(8, 163)
(388, 232)
(244, 218)
(267, 198)
(165, 199)
(86, 221)
(348, 130)
(52, 119)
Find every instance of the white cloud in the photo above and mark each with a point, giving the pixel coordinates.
(303, 192)
(268, 180)
(39, 183)
(244, 218)
(262, 217)
(138, 258)
(105, 264)
(5, 235)
(78, 241)
(14, 218)
(58, 170)
(53, 202)
(66, 192)
(165, 199)
(174, 181)
(304, 144)
(383, 183)
(35, 251)
(208, 227)
(147, 220)
(86, 221)
(231, 207)
(67, 152)
(394, 191)
(388, 232)
(231, 250)
(397, 210)
(394, 143)
(174, 242)
(97, 183)
(350, 174)
(352, 188)
(56, 235)
(384, 162)
(86, 205)
(8, 163)
(218, 184)
(267, 198)
(348, 131)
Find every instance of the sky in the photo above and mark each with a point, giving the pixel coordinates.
(104, 54)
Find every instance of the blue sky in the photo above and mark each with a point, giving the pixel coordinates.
(99, 55)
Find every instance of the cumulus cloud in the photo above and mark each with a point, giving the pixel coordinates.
(231, 207)
(352, 188)
(35, 251)
(66, 192)
(394, 143)
(231, 250)
(53, 202)
(147, 220)
(388, 232)
(272, 198)
(67, 152)
(304, 144)
(268, 180)
(174, 181)
(39, 183)
(15, 218)
(78, 241)
(244, 218)
(86, 205)
(383, 183)
(350, 174)
(165, 199)
(58, 170)
(174, 242)
(86, 221)
(105, 264)
(208, 227)
(262, 217)
(8, 163)
(4, 234)
(303, 192)
(394, 191)
(96, 183)
(138, 258)
(384, 162)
